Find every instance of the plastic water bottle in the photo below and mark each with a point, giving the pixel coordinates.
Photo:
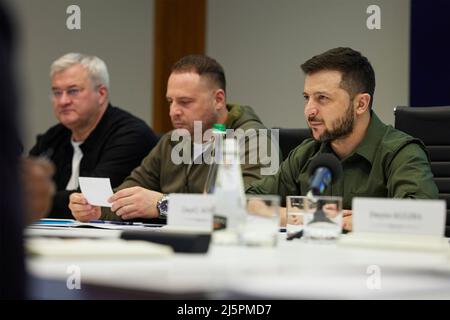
(229, 188)
(217, 141)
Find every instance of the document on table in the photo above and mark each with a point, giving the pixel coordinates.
(96, 190)
(99, 224)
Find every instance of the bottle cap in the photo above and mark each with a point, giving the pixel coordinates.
(219, 127)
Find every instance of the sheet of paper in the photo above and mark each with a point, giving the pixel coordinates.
(98, 224)
(96, 190)
(399, 216)
(191, 211)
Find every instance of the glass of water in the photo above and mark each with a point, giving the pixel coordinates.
(297, 207)
(262, 221)
(313, 218)
(324, 221)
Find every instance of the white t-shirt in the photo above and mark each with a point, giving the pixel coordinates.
(77, 155)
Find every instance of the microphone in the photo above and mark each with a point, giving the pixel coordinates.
(323, 170)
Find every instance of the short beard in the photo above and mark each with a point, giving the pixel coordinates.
(341, 128)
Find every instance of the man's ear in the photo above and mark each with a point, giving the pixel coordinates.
(103, 94)
(219, 99)
(362, 102)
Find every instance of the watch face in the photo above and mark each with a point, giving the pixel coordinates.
(163, 206)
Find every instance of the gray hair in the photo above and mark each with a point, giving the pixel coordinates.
(95, 67)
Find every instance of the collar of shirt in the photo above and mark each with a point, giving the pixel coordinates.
(367, 149)
(234, 113)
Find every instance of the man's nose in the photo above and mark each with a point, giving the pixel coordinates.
(174, 110)
(64, 98)
(311, 109)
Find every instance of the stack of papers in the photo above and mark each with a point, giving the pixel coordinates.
(98, 248)
(100, 224)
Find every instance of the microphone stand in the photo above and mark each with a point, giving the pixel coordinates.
(319, 216)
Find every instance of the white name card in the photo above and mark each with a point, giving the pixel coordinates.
(96, 190)
(399, 216)
(191, 210)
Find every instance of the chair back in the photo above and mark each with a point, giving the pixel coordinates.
(432, 126)
(289, 138)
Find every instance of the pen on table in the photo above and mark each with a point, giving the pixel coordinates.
(298, 234)
(112, 222)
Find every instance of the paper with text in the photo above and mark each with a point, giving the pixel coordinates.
(399, 216)
(191, 210)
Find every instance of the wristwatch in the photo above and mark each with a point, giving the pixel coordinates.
(162, 206)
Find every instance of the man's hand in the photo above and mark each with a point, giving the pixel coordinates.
(82, 210)
(38, 187)
(347, 220)
(135, 202)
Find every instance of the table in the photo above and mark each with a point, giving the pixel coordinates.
(290, 270)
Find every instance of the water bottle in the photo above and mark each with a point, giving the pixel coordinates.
(229, 188)
(217, 140)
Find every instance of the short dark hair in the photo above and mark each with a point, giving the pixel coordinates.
(357, 72)
(203, 66)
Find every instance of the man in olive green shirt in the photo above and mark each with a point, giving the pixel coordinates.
(377, 160)
(196, 95)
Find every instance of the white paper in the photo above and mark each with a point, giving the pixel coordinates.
(191, 210)
(399, 216)
(96, 190)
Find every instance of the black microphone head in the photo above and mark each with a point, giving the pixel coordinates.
(329, 161)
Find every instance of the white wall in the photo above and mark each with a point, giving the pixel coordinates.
(120, 32)
(261, 44)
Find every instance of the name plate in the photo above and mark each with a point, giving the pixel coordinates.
(399, 216)
(191, 210)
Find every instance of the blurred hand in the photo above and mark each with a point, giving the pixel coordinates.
(331, 210)
(259, 207)
(135, 202)
(283, 216)
(295, 219)
(82, 210)
(38, 187)
(347, 223)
